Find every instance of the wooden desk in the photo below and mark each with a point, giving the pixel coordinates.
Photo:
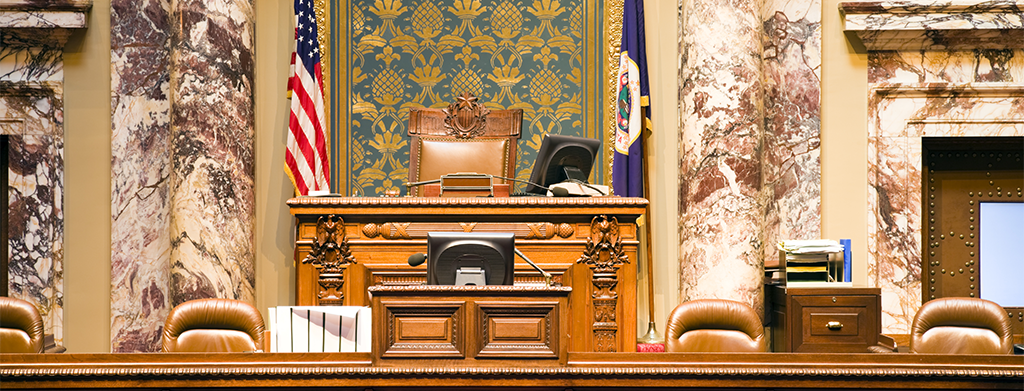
(834, 320)
(345, 245)
(583, 371)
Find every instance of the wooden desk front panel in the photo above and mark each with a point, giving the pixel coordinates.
(801, 319)
(382, 233)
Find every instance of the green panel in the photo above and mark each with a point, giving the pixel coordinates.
(541, 56)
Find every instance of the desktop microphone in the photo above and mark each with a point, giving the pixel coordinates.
(547, 276)
(417, 259)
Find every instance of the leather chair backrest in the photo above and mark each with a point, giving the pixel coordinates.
(961, 325)
(213, 325)
(714, 325)
(21, 327)
(465, 137)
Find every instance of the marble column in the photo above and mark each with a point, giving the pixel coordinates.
(140, 173)
(212, 162)
(182, 166)
(720, 144)
(32, 38)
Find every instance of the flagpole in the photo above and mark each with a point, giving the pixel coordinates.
(652, 335)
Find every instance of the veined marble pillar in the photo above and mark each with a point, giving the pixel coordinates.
(791, 154)
(212, 161)
(751, 128)
(140, 173)
(720, 145)
(182, 166)
(32, 38)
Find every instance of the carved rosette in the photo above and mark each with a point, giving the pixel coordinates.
(465, 118)
(604, 254)
(330, 254)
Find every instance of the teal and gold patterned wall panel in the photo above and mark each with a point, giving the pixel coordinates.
(547, 57)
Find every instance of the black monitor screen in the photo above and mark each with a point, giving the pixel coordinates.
(470, 258)
(562, 158)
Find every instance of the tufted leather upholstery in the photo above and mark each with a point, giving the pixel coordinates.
(436, 149)
(213, 325)
(961, 325)
(714, 325)
(21, 327)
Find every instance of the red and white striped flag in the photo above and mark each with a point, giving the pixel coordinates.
(306, 159)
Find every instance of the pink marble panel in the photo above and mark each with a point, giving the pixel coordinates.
(792, 131)
(140, 174)
(36, 225)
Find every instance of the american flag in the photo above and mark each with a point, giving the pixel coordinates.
(306, 158)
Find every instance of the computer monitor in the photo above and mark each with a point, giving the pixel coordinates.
(470, 258)
(562, 158)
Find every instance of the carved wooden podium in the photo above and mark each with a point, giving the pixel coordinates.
(471, 323)
(344, 245)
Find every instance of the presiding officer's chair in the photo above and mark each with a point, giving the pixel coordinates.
(714, 325)
(213, 325)
(466, 137)
(21, 327)
(961, 325)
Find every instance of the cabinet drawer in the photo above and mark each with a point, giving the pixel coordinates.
(834, 323)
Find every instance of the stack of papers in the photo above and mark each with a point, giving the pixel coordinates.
(812, 262)
(810, 246)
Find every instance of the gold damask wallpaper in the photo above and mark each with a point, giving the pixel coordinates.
(547, 57)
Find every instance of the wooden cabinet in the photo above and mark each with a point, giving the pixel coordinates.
(832, 320)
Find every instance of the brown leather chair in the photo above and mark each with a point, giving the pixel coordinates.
(714, 325)
(21, 327)
(213, 325)
(961, 325)
(465, 137)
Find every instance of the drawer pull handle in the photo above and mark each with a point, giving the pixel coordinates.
(833, 325)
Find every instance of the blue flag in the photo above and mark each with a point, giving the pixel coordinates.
(632, 93)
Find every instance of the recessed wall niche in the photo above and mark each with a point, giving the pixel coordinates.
(960, 176)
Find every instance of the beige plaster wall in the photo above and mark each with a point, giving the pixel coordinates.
(844, 139)
(87, 184)
(87, 156)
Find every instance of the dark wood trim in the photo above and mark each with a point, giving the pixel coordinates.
(583, 371)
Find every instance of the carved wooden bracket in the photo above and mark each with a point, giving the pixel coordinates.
(604, 250)
(604, 254)
(465, 118)
(330, 254)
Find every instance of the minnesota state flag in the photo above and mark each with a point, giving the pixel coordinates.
(632, 93)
